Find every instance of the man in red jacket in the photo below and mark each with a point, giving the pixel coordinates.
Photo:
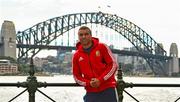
(94, 68)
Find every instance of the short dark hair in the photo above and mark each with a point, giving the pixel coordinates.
(85, 27)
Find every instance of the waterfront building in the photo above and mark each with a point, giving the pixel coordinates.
(8, 68)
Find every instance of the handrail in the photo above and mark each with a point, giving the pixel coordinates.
(156, 85)
(76, 85)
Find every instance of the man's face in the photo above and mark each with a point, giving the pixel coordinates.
(84, 37)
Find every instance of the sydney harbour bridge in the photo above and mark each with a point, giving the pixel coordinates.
(41, 36)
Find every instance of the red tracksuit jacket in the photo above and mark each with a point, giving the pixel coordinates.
(99, 63)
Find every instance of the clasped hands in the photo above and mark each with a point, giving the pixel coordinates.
(95, 83)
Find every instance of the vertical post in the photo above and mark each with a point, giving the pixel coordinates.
(32, 83)
(32, 70)
(32, 87)
(120, 84)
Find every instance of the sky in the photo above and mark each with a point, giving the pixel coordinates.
(159, 18)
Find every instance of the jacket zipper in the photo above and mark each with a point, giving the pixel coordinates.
(91, 67)
(90, 64)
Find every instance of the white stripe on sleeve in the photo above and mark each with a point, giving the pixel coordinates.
(113, 69)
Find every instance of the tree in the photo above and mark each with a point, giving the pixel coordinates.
(12, 60)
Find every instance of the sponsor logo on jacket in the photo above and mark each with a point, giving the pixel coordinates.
(97, 53)
(80, 59)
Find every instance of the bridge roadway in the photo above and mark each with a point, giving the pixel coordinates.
(117, 51)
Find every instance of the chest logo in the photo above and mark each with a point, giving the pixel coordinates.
(97, 53)
(80, 59)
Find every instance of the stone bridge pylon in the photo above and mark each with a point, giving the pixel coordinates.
(8, 39)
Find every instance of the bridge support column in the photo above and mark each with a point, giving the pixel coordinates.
(8, 39)
(174, 62)
(173, 66)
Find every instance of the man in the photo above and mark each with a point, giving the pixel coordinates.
(94, 68)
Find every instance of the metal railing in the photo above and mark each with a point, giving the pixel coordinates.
(122, 85)
(32, 85)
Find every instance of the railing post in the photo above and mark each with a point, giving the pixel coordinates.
(32, 83)
(31, 87)
(120, 85)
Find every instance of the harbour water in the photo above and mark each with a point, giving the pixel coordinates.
(75, 94)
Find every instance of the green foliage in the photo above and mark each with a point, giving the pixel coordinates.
(12, 60)
(23, 68)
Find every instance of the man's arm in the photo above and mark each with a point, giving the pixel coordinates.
(77, 73)
(111, 64)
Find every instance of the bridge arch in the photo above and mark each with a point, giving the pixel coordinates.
(45, 32)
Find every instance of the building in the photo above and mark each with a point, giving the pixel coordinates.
(8, 68)
(38, 62)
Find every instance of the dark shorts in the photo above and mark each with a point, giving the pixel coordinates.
(108, 95)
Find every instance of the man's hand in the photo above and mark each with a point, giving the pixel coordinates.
(95, 83)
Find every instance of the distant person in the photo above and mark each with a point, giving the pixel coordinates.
(94, 67)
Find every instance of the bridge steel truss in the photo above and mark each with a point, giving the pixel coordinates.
(45, 32)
